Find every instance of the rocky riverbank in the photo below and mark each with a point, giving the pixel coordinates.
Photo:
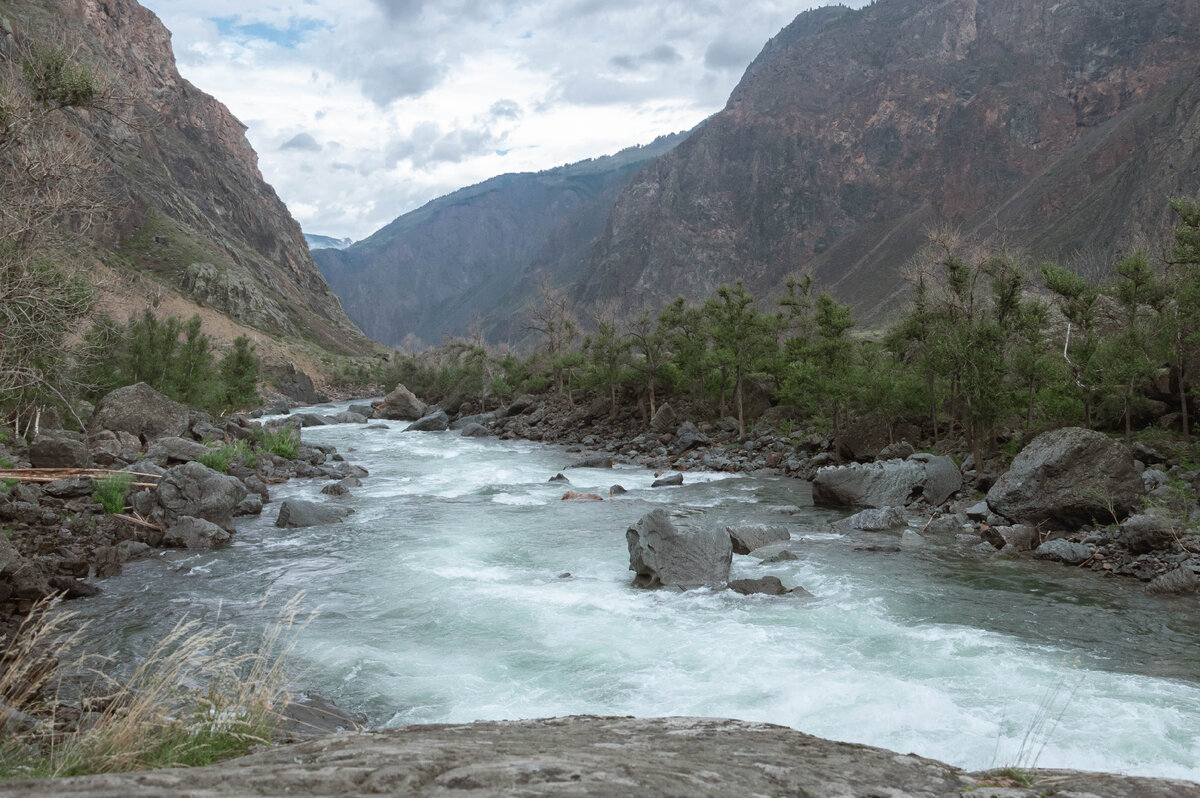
(1072, 496)
(597, 756)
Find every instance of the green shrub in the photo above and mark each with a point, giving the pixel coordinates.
(283, 442)
(111, 491)
(217, 459)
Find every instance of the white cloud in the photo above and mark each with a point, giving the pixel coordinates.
(363, 111)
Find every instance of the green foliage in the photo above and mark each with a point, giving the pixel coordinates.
(54, 79)
(111, 491)
(171, 356)
(283, 441)
(222, 457)
(239, 371)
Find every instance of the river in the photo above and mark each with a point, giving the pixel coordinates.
(446, 598)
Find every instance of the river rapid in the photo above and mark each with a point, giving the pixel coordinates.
(463, 589)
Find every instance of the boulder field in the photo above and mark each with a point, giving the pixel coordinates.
(586, 755)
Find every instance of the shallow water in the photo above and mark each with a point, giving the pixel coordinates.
(446, 598)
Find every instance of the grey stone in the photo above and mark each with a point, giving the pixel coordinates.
(481, 419)
(1063, 551)
(401, 405)
(594, 461)
(311, 420)
(519, 405)
(896, 451)
(767, 585)
(474, 430)
(884, 519)
(747, 538)
(779, 556)
(348, 417)
(1180, 582)
(664, 419)
(893, 483)
(437, 421)
(664, 555)
(1153, 478)
(911, 539)
(1145, 533)
(668, 480)
(1066, 478)
(194, 489)
(687, 441)
(70, 488)
(978, 511)
(336, 489)
(141, 411)
(295, 513)
(195, 533)
(129, 550)
(54, 451)
(251, 505)
(167, 450)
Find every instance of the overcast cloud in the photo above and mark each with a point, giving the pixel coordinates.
(363, 111)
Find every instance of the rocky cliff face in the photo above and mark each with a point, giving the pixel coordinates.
(478, 255)
(191, 208)
(1061, 127)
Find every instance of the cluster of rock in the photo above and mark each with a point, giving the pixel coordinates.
(664, 554)
(58, 537)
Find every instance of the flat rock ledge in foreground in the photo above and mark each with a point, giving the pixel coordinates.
(588, 755)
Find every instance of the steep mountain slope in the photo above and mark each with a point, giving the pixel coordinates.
(1058, 125)
(476, 256)
(191, 215)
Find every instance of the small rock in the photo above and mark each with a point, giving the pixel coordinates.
(767, 585)
(1064, 551)
(594, 461)
(295, 513)
(745, 539)
(434, 422)
(779, 556)
(668, 480)
(1180, 582)
(586, 497)
(195, 533)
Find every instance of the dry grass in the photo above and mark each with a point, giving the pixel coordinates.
(198, 696)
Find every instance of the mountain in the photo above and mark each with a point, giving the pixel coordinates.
(1061, 126)
(326, 242)
(191, 216)
(477, 255)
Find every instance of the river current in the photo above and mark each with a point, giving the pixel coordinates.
(463, 588)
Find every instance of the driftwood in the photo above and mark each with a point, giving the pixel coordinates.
(139, 521)
(52, 474)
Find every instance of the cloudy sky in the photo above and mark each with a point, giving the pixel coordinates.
(362, 110)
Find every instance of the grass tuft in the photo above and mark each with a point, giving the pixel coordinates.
(283, 442)
(197, 697)
(111, 492)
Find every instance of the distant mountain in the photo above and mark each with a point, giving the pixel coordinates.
(1058, 125)
(477, 255)
(326, 242)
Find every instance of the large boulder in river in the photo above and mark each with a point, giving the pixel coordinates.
(664, 555)
(401, 405)
(890, 483)
(196, 490)
(1066, 478)
(142, 411)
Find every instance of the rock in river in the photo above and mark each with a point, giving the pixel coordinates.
(664, 555)
(298, 513)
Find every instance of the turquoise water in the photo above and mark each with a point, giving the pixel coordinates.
(462, 588)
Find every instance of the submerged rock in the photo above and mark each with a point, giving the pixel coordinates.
(668, 481)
